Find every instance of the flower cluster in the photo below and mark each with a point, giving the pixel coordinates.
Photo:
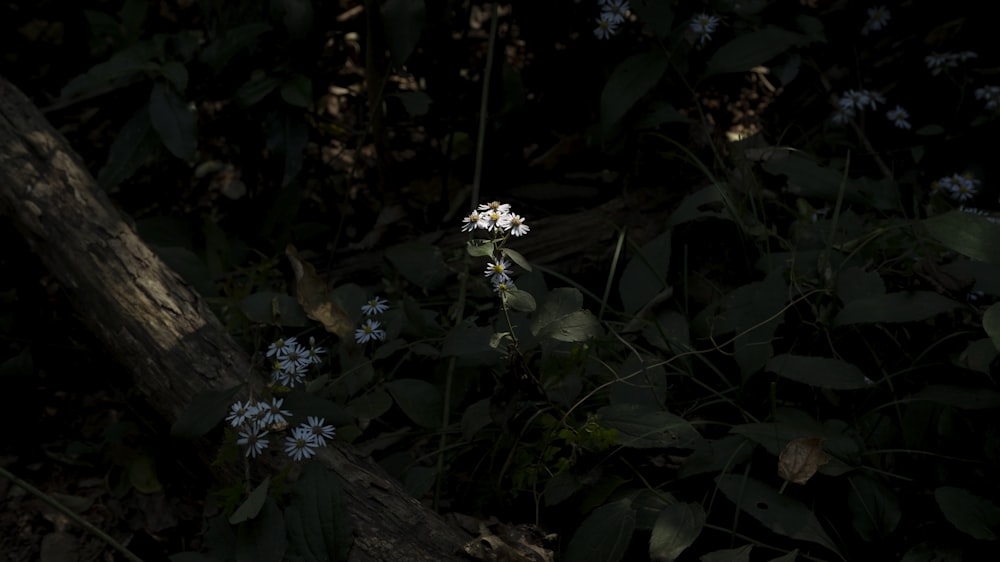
(703, 25)
(960, 187)
(852, 101)
(500, 222)
(255, 420)
(290, 360)
(938, 62)
(991, 94)
(613, 14)
(371, 329)
(878, 17)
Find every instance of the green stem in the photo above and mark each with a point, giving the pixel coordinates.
(69, 513)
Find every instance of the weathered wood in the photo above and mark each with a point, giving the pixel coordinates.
(159, 329)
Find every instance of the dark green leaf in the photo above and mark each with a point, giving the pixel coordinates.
(297, 91)
(577, 326)
(476, 417)
(370, 405)
(237, 39)
(780, 513)
(657, 14)
(421, 263)
(517, 258)
(741, 554)
(256, 89)
(968, 234)
(639, 384)
(661, 113)
(707, 202)
(964, 398)
(521, 300)
(895, 307)
(753, 49)
(420, 401)
(645, 275)
(204, 412)
(416, 104)
(676, 528)
(604, 535)
(287, 134)
(854, 283)
(174, 121)
(404, 22)
(629, 82)
(559, 303)
(644, 429)
(319, 527)
(991, 323)
(875, 507)
(819, 371)
(263, 538)
(973, 515)
(268, 307)
(251, 507)
(133, 145)
(560, 487)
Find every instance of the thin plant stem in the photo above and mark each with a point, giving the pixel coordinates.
(52, 502)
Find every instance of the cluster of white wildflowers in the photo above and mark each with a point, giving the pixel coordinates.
(960, 187)
(613, 13)
(938, 62)
(256, 420)
(852, 101)
(878, 17)
(703, 25)
(371, 329)
(290, 360)
(500, 223)
(991, 95)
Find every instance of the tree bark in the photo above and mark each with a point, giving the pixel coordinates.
(159, 329)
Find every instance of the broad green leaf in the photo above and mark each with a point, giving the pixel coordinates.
(676, 528)
(404, 22)
(204, 412)
(986, 275)
(660, 113)
(117, 71)
(961, 397)
(978, 355)
(854, 283)
(251, 507)
(741, 554)
(370, 405)
(471, 344)
(480, 248)
(604, 535)
(560, 487)
(476, 417)
(416, 104)
(176, 73)
(644, 429)
(875, 507)
(718, 455)
(812, 26)
(319, 527)
(517, 258)
(968, 234)
(297, 91)
(629, 82)
(219, 51)
(255, 89)
(268, 307)
(521, 300)
(657, 14)
(132, 147)
(560, 302)
(780, 513)
(419, 262)
(645, 275)
(174, 121)
(753, 49)
(420, 401)
(895, 307)
(809, 179)
(819, 371)
(973, 515)
(304, 404)
(645, 387)
(991, 323)
(263, 538)
(577, 326)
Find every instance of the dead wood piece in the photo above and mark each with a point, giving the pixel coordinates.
(159, 329)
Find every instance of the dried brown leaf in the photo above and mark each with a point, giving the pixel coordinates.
(801, 459)
(314, 297)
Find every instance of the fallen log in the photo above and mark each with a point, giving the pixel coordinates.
(160, 330)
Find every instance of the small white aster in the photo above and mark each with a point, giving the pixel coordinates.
(497, 206)
(241, 413)
(301, 444)
(252, 436)
(314, 352)
(899, 117)
(376, 305)
(616, 10)
(605, 26)
(498, 270)
(516, 225)
(294, 358)
(703, 25)
(271, 412)
(878, 17)
(368, 331)
(280, 346)
(470, 222)
(319, 430)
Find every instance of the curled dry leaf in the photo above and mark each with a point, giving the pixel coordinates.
(314, 297)
(801, 459)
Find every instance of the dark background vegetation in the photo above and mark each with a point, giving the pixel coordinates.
(68, 423)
